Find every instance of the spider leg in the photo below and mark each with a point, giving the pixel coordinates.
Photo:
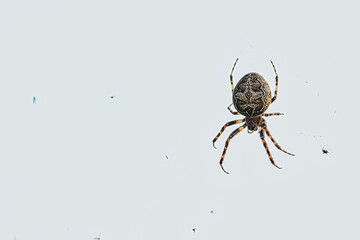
(276, 82)
(266, 147)
(223, 128)
(275, 143)
(235, 113)
(271, 114)
(236, 131)
(231, 75)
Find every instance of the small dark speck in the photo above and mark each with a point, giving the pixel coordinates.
(212, 211)
(317, 136)
(34, 99)
(166, 157)
(325, 151)
(112, 97)
(194, 229)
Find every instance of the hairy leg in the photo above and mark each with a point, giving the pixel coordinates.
(233, 134)
(225, 126)
(266, 147)
(271, 114)
(231, 75)
(235, 113)
(275, 143)
(276, 82)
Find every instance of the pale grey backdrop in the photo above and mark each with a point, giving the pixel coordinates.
(78, 164)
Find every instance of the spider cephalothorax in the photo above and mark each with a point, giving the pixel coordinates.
(251, 98)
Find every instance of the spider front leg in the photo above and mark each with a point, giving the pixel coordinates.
(233, 134)
(275, 143)
(225, 126)
(266, 147)
(276, 82)
(235, 113)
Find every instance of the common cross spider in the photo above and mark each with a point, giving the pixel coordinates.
(251, 98)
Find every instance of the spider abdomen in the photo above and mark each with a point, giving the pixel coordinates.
(252, 95)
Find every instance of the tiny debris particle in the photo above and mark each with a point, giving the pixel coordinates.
(34, 99)
(194, 229)
(166, 157)
(325, 151)
(317, 136)
(112, 96)
(212, 211)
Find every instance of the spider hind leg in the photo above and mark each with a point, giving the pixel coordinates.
(276, 82)
(231, 75)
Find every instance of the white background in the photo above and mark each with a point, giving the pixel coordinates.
(78, 164)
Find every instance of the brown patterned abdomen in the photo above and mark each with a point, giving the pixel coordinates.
(252, 95)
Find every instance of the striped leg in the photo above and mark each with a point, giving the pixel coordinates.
(231, 76)
(266, 147)
(235, 113)
(225, 126)
(275, 143)
(276, 82)
(227, 144)
(271, 114)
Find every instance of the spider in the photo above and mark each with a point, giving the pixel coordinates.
(251, 97)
